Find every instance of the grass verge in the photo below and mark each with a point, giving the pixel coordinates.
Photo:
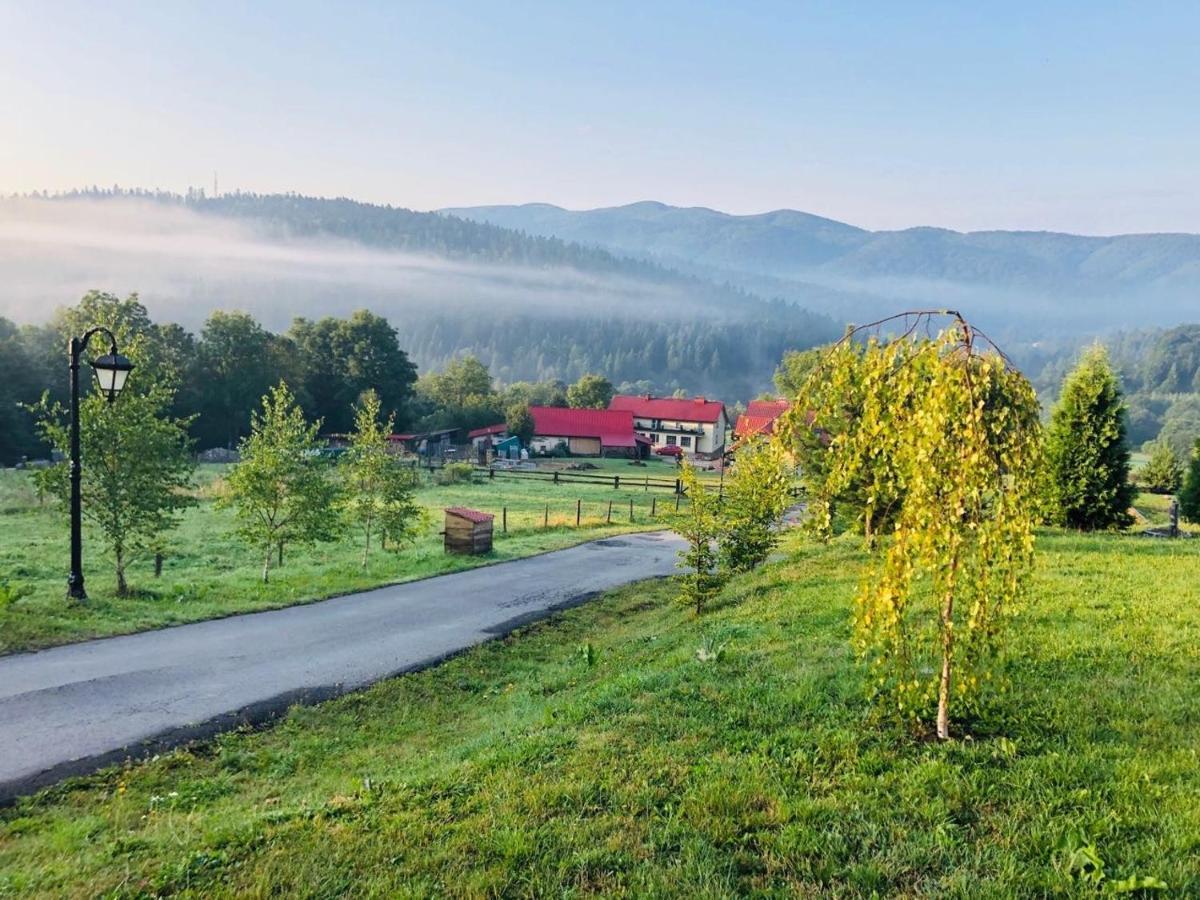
(601, 753)
(208, 573)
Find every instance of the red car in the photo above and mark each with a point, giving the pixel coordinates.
(669, 450)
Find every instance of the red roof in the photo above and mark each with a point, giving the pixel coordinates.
(471, 515)
(759, 417)
(691, 409)
(613, 427)
(491, 429)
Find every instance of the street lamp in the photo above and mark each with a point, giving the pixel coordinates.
(111, 371)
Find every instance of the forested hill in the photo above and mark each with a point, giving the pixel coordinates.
(533, 307)
(1026, 280)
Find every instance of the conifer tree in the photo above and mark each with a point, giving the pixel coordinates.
(1086, 449)
(1189, 494)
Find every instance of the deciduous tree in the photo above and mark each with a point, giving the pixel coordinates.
(137, 464)
(519, 422)
(959, 430)
(699, 524)
(282, 490)
(755, 498)
(378, 490)
(590, 392)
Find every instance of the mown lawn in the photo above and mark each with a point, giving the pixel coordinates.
(598, 753)
(208, 573)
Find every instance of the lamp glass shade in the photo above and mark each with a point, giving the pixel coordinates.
(111, 371)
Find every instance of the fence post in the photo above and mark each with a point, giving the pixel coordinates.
(556, 476)
(646, 487)
(504, 520)
(158, 559)
(578, 511)
(677, 502)
(653, 506)
(678, 487)
(630, 509)
(546, 517)
(491, 473)
(609, 520)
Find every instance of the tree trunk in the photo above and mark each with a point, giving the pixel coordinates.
(122, 586)
(943, 713)
(280, 565)
(367, 546)
(267, 563)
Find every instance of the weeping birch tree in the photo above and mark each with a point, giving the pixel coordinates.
(948, 434)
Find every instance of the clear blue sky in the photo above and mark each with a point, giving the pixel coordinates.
(1075, 116)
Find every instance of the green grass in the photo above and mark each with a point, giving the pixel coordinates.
(521, 768)
(209, 574)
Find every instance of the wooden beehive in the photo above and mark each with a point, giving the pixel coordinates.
(468, 531)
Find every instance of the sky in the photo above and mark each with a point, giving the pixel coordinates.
(1066, 116)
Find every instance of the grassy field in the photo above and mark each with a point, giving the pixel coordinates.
(601, 753)
(208, 574)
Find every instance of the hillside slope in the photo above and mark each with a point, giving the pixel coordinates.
(1001, 276)
(600, 754)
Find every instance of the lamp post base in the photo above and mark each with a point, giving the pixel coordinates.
(75, 589)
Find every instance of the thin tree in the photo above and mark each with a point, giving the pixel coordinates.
(378, 490)
(1086, 449)
(137, 466)
(960, 433)
(281, 490)
(699, 525)
(755, 498)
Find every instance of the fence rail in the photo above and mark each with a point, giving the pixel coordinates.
(616, 482)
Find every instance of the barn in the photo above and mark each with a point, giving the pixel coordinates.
(584, 432)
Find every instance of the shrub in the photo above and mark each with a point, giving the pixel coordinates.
(454, 473)
(1163, 474)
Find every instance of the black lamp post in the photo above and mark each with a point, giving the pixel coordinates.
(111, 371)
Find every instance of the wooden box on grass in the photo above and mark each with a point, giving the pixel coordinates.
(468, 531)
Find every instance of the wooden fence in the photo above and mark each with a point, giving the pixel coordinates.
(590, 513)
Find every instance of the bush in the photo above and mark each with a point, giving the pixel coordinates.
(454, 473)
(1189, 494)
(1163, 474)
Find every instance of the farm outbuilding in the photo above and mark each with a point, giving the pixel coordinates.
(584, 432)
(468, 531)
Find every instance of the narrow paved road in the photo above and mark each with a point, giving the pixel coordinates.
(76, 708)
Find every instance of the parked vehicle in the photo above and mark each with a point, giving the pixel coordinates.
(669, 450)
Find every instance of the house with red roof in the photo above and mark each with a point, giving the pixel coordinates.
(584, 432)
(759, 418)
(696, 424)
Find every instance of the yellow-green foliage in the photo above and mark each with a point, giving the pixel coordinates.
(956, 435)
(378, 490)
(700, 526)
(755, 498)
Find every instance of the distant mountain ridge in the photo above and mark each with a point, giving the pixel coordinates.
(1035, 277)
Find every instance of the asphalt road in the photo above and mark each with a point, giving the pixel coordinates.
(76, 708)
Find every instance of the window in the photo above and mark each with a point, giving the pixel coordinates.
(670, 440)
(685, 441)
